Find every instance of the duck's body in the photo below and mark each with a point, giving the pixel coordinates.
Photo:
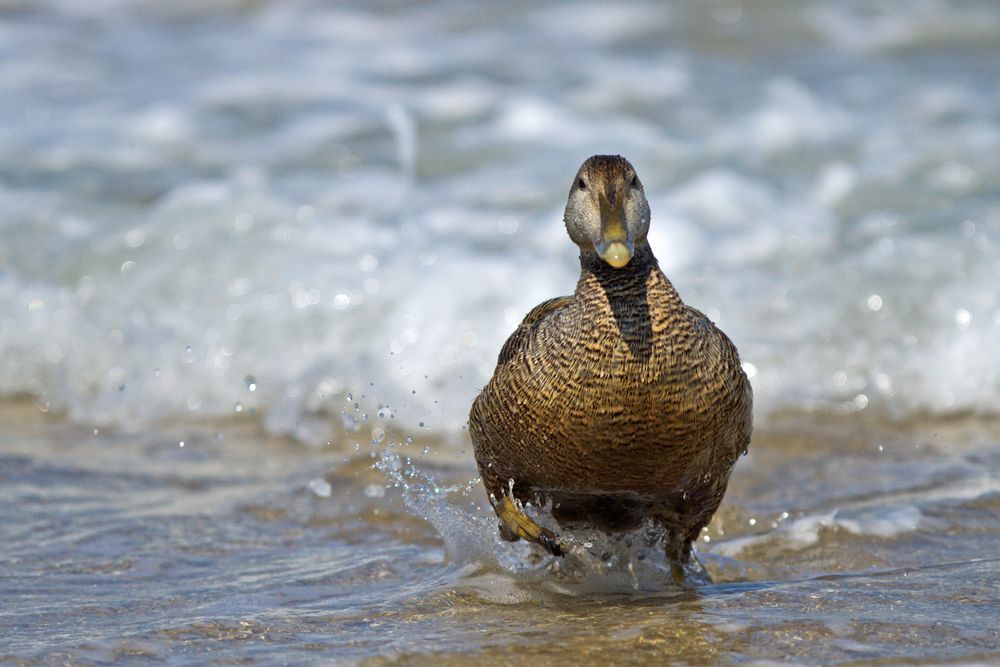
(617, 403)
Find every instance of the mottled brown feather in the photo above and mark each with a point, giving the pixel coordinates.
(618, 402)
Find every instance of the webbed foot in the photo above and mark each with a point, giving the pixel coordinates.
(515, 524)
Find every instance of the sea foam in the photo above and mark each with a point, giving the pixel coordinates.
(367, 203)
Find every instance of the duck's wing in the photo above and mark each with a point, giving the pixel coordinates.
(522, 334)
(727, 367)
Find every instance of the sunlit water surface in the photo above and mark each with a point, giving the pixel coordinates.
(258, 258)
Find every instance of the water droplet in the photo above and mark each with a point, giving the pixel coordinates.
(425, 450)
(350, 399)
(156, 372)
(374, 491)
(238, 407)
(320, 487)
(421, 424)
(409, 439)
(251, 382)
(180, 444)
(507, 225)
(135, 238)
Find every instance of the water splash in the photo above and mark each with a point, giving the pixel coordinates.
(595, 562)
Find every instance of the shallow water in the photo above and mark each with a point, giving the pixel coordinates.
(840, 541)
(293, 237)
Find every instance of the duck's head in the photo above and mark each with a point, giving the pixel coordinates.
(607, 212)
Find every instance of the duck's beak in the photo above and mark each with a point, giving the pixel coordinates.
(615, 246)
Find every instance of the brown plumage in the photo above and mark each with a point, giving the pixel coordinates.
(619, 402)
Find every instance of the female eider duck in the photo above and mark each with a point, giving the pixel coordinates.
(617, 403)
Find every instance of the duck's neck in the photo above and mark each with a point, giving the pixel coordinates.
(635, 295)
(630, 280)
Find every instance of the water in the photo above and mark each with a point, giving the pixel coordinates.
(293, 237)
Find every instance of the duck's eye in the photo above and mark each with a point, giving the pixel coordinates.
(635, 182)
(580, 183)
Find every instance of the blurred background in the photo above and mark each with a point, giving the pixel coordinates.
(250, 248)
(366, 199)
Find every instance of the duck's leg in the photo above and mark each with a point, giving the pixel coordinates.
(676, 556)
(685, 566)
(515, 524)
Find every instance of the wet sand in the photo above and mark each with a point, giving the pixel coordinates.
(841, 540)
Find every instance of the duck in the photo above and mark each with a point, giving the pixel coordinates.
(616, 404)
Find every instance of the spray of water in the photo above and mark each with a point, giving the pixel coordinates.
(595, 562)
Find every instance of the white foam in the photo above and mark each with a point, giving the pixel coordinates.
(805, 531)
(229, 207)
(790, 117)
(884, 522)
